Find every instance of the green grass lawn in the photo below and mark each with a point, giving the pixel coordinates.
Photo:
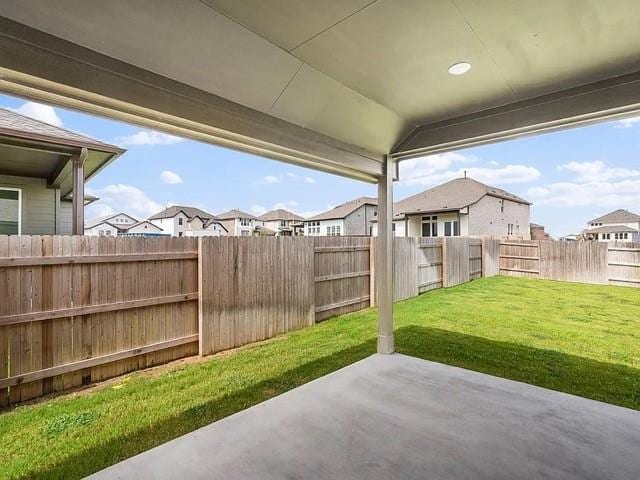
(581, 339)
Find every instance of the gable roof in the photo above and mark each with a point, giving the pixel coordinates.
(211, 221)
(611, 229)
(105, 219)
(15, 124)
(344, 209)
(617, 216)
(279, 214)
(234, 213)
(188, 211)
(452, 195)
(142, 222)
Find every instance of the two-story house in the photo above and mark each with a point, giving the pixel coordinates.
(198, 226)
(350, 218)
(237, 222)
(174, 220)
(121, 224)
(617, 226)
(462, 207)
(281, 221)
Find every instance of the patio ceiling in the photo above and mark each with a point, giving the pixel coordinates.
(333, 85)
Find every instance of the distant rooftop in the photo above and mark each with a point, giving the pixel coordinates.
(617, 216)
(188, 211)
(234, 213)
(280, 214)
(453, 195)
(344, 209)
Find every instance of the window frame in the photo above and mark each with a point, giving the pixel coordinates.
(19, 190)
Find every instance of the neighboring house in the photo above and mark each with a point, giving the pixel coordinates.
(462, 207)
(619, 225)
(281, 222)
(537, 232)
(201, 227)
(109, 225)
(350, 218)
(37, 161)
(174, 220)
(237, 222)
(123, 225)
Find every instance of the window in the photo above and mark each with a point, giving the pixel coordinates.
(101, 233)
(283, 223)
(180, 220)
(245, 222)
(510, 229)
(10, 211)
(452, 229)
(333, 230)
(107, 233)
(245, 233)
(502, 205)
(430, 226)
(179, 234)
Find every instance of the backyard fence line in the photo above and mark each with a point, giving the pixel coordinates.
(77, 310)
(584, 262)
(83, 309)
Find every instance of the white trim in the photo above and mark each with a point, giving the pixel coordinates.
(19, 190)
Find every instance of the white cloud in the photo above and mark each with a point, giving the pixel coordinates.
(627, 122)
(268, 180)
(44, 113)
(148, 137)
(418, 171)
(258, 210)
(435, 169)
(122, 198)
(597, 171)
(593, 184)
(170, 177)
(309, 180)
(576, 194)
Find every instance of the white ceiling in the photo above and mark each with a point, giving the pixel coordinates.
(363, 72)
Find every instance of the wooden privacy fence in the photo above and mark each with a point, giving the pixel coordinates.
(75, 310)
(423, 264)
(80, 309)
(584, 262)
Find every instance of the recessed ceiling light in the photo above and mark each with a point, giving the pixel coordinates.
(459, 68)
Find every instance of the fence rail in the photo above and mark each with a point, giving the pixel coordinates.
(584, 262)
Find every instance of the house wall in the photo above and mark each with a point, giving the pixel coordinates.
(171, 226)
(358, 222)
(213, 230)
(486, 218)
(105, 228)
(236, 230)
(412, 226)
(147, 227)
(39, 206)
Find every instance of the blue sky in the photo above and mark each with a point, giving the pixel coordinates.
(570, 176)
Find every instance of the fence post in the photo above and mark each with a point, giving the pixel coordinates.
(372, 271)
(444, 261)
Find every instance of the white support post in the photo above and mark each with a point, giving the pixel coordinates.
(384, 258)
(77, 165)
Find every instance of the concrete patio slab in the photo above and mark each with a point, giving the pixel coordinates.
(398, 417)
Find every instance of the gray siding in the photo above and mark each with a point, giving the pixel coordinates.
(359, 221)
(486, 219)
(38, 206)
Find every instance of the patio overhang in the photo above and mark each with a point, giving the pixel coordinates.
(348, 87)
